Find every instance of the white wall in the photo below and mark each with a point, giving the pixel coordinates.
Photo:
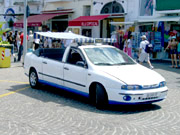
(132, 10)
(76, 5)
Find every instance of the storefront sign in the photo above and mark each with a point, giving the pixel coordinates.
(89, 23)
(167, 5)
(35, 24)
(9, 15)
(29, 24)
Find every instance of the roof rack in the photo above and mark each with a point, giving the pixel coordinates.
(95, 40)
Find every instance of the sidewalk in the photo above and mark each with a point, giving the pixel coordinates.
(164, 60)
(161, 60)
(14, 62)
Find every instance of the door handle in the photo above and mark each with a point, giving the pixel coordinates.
(66, 68)
(44, 62)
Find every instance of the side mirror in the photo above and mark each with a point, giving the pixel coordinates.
(81, 64)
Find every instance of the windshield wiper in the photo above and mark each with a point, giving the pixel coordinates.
(124, 63)
(108, 64)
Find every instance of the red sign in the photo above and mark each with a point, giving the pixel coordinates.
(29, 24)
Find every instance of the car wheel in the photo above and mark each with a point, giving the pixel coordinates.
(101, 97)
(33, 78)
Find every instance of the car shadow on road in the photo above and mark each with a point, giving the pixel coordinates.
(164, 65)
(178, 82)
(64, 98)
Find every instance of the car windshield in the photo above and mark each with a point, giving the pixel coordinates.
(107, 56)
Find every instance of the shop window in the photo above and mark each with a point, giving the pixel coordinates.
(87, 10)
(37, 8)
(146, 8)
(76, 31)
(87, 32)
(146, 28)
(20, 9)
(10, 23)
(175, 27)
(59, 26)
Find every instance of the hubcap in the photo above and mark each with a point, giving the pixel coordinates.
(33, 79)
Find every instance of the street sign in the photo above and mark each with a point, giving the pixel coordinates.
(27, 11)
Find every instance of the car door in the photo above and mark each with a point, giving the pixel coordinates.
(75, 76)
(52, 71)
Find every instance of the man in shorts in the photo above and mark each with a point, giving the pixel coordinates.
(143, 55)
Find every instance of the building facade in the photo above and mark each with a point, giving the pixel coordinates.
(98, 18)
(13, 10)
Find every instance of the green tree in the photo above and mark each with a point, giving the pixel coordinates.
(3, 30)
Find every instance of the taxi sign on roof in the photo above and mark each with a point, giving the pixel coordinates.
(95, 40)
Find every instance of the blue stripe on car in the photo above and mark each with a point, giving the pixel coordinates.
(65, 88)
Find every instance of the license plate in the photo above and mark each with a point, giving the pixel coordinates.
(149, 95)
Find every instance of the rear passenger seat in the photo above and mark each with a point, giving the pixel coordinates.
(52, 53)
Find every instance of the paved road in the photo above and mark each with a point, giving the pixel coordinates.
(49, 111)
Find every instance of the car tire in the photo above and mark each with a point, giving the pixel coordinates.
(101, 100)
(33, 79)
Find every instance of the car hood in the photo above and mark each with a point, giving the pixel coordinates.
(133, 74)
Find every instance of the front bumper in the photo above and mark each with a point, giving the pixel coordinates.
(137, 96)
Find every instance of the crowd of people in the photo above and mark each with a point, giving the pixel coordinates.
(16, 40)
(125, 43)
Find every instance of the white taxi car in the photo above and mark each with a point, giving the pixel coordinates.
(103, 73)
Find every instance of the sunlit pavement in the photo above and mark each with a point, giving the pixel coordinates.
(51, 111)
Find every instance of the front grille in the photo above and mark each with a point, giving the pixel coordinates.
(149, 98)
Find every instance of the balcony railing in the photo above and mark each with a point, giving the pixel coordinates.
(57, 0)
(21, 2)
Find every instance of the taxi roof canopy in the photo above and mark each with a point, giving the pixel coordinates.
(72, 36)
(58, 35)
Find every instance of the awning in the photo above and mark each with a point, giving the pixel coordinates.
(87, 20)
(121, 23)
(161, 18)
(150, 20)
(36, 20)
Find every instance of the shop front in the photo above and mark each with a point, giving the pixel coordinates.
(98, 24)
(47, 21)
(87, 25)
(159, 30)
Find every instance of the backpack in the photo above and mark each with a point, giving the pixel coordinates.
(149, 48)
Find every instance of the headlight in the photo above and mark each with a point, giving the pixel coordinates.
(162, 84)
(131, 87)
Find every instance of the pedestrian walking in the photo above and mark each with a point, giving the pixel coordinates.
(143, 55)
(14, 40)
(21, 46)
(30, 40)
(125, 45)
(129, 45)
(172, 45)
(18, 40)
(36, 44)
(11, 41)
(4, 38)
(178, 50)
